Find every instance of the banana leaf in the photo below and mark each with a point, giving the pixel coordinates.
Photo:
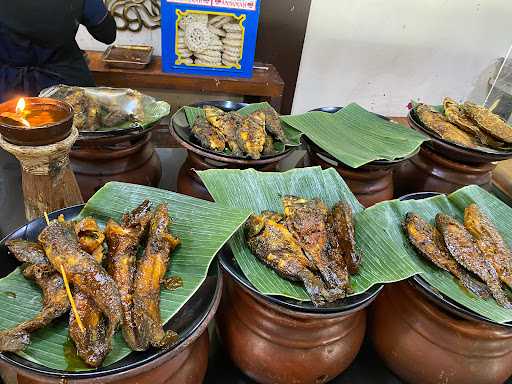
(260, 191)
(292, 135)
(355, 136)
(203, 228)
(389, 215)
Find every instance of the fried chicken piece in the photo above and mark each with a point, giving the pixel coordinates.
(490, 242)
(428, 242)
(461, 246)
(123, 241)
(448, 131)
(35, 267)
(151, 269)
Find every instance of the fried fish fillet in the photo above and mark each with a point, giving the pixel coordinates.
(209, 136)
(150, 274)
(229, 125)
(35, 267)
(307, 222)
(489, 241)
(275, 246)
(213, 115)
(427, 240)
(62, 248)
(251, 135)
(448, 131)
(273, 124)
(489, 122)
(123, 240)
(461, 246)
(342, 224)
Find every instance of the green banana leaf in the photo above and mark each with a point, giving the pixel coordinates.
(389, 215)
(355, 136)
(387, 255)
(292, 135)
(203, 228)
(259, 191)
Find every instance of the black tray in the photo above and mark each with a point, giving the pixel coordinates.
(348, 304)
(185, 322)
(434, 295)
(181, 128)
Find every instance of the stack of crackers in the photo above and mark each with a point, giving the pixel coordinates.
(209, 40)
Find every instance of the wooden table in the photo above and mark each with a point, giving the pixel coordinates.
(265, 85)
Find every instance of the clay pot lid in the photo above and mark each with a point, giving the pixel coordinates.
(433, 294)
(329, 158)
(180, 129)
(348, 304)
(39, 135)
(190, 321)
(454, 151)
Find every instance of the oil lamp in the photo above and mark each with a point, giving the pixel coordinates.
(40, 132)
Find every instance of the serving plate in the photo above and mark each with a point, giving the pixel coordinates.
(180, 129)
(433, 294)
(190, 321)
(456, 151)
(348, 304)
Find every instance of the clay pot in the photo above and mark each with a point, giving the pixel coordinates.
(272, 343)
(424, 344)
(431, 171)
(129, 158)
(370, 183)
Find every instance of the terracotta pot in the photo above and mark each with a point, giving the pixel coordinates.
(424, 344)
(370, 183)
(431, 171)
(128, 158)
(274, 344)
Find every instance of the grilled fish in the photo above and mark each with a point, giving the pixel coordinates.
(427, 240)
(123, 241)
(307, 222)
(35, 267)
(275, 246)
(209, 136)
(213, 115)
(229, 124)
(461, 246)
(251, 135)
(61, 246)
(273, 124)
(489, 122)
(490, 242)
(342, 224)
(448, 131)
(150, 273)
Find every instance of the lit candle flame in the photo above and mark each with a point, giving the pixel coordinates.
(20, 106)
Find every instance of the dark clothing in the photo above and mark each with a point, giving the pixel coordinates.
(38, 47)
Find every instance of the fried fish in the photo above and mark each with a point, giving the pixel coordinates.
(342, 224)
(123, 240)
(489, 122)
(448, 131)
(276, 247)
(213, 115)
(490, 242)
(62, 248)
(35, 267)
(150, 274)
(251, 135)
(209, 136)
(229, 125)
(461, 246)
(273, 124)
(427, 240)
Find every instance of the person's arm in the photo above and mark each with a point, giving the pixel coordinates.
(98, 21)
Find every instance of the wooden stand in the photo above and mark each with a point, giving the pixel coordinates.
(47, 180)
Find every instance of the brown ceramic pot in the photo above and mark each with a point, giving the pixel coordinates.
(127, 158)
(274, 344)
(370, 183)
(431, 171)
(424, 344)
